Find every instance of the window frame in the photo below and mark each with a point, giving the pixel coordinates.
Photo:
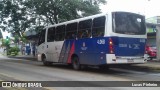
(57, 35)
(42, 37)
(85, 32)
(102, 27)
(51, 30)
(71, 33)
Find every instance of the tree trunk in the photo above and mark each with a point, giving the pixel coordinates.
(55, 16)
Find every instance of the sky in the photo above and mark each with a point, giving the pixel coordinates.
(5, 34)
(149, 8)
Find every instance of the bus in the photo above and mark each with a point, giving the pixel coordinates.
(99, 40)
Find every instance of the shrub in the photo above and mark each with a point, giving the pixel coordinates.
(13, 51)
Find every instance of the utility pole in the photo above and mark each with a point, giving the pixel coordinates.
(158, 41)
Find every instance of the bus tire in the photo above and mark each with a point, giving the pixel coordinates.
(75, 63)
(45, 62)
(104, 67)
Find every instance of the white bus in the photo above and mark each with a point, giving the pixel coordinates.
(100, 40)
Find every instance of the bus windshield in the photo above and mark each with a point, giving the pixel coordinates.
(128, 23)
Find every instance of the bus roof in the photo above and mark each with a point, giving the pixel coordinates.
(84, 18)
(77, 20)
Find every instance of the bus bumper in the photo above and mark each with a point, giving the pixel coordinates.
(112, 59)
(39, 57)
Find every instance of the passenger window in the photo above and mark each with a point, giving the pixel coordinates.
(60, 33)
(98, 26)
(71, 31)
(84, 29)
(51, 34)
(42, 37)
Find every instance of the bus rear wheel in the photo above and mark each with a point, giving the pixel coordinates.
(75, 63)
(104, 67)
(45, 62)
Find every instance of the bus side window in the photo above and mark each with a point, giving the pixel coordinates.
(71, 31)
(98, 26)
(60, 33)
(42, 37)
(51, 34)
(84, 29)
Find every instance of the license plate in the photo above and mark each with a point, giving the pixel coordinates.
(130, 60)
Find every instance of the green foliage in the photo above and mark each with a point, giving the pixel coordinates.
(62, 10)
(17, 16)
(16, 11)
(5, 42)
(13, 51)
(24, 39)
(1, 34)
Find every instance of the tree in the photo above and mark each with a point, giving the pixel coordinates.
(14, 17)
(6, 43)
(56, 11)
(1, 34)
(17, 16)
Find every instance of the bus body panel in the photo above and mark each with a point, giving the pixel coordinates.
(128, 49)
(40, 51)
(88, 51)
(53, 50)
(112, 59)
(93, 51)
(129, 46)
(67, 51)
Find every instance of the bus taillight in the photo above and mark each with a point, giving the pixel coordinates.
(111, 49)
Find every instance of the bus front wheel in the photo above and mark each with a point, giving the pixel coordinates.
(75, 63)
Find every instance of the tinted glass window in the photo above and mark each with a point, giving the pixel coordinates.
(98, 26)
(71, 31)
(60, 33)
(42, 37)
(51, 34)
(128, 23)
(84, 29)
